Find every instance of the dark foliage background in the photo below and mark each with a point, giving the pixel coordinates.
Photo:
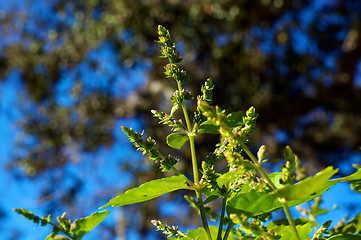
(86, 67)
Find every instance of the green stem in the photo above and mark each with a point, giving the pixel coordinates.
(228, 231)
(195, 168)
(220, 227)
(274, 188)
(60, 229)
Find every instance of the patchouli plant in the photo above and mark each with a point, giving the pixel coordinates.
(249, 195)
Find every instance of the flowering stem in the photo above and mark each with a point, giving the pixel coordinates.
(274, 188)
(195, 167)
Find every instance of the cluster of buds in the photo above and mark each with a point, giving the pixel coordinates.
(210, 178)
(147, 146)
(251, 180)
(207, 91)
(171, 231)
(300, 170)
(31, 216)
(322, 230)
(288, 176)
(252, 228)
(232, 136)
(249, 121)
(169, 51)
(236, 160)
(169, 120)
(179, 97)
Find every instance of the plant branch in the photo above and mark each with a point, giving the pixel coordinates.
(274, 188)
(220, 227)
(195, 167)
(229, 229)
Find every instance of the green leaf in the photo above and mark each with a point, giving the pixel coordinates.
(174, 109)
(286, 233)
(52, 235)
(275, 178)
(200, 233)
(235, 119)
(254, 203)
(210, 199)
(176, 140)
(226, 178)
(345, 237)
(61, 237)
(207, 127)
(307, 186)
(84, 225)
(149, 190)
(353, 177)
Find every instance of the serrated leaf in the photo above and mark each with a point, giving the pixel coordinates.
(306, 187)
(84, 225)
(176, 140)
(149, 190)
(254, 203)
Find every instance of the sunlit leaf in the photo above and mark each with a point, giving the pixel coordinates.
(149, 190)
(286, 233)
(208, 127)
(200, 233)
(229, 177)
(254, 203)
(83, 225)
(235, 119)
(306, 187)
(174, 109)
(176, 140)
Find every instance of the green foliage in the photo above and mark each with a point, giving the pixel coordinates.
(249, 195)
(176, 140)
(149, 190)
(72, 230)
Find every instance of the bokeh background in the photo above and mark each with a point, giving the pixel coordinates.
(73, 72)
